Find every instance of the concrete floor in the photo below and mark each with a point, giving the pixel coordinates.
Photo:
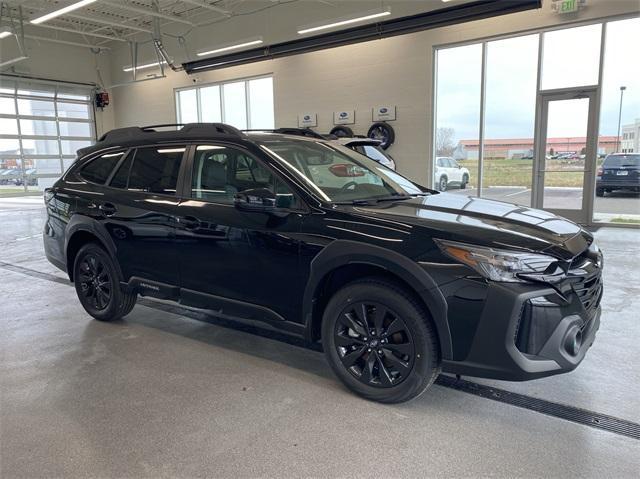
(160, 395)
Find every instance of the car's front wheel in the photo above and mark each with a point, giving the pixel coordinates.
(380, 341)
(442, 184)
(97, 285)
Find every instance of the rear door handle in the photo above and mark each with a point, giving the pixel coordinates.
(189, 222)
(108, 209)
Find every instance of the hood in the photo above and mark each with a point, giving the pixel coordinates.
(485, 222)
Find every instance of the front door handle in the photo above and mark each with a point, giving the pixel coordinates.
(108, 209)
(189, 222)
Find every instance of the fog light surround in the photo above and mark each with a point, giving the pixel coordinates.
(573, 340)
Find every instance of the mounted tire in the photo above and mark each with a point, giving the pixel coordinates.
(465, 180)
(342, 132)
(383, 132)
(600, 192)
(380, 341)
(442, 183)
(98, 285)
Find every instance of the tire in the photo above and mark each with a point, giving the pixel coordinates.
(97, 285)
(442, 184)
(465, 180)
(383, 132)
(600, 192)
(342, 132)
(407, 361)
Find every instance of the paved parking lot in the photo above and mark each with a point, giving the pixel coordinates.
(617, 203)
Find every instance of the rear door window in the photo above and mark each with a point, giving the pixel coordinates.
(155, 169)
(622, 161)
(99, 169)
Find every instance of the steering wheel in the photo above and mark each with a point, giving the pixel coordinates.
(348, 186)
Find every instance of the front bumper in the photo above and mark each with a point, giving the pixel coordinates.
(527, 331)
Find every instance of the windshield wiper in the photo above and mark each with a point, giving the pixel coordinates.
(375, 200)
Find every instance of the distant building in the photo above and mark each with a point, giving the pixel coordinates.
(630, 142)
(513, 148)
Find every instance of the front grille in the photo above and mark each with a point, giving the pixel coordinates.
(587, 284)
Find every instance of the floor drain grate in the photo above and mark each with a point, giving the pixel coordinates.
(561, 411)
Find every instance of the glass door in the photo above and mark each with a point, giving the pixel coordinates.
(566, 153)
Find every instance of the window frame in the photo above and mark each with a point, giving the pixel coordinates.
(132, 151)
(190, 164)
(220, 84)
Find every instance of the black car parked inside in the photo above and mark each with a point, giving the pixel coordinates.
(619, 172)
(397, 281)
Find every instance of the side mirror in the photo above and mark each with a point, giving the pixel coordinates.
(255, 199)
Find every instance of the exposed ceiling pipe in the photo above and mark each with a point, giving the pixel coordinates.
(159, 47)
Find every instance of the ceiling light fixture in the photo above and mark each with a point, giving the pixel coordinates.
(227, 47)
(5, 32)
(61, 11)
(142, 67)
(12, 61)
(339, 22)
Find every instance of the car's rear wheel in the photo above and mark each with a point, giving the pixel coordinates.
(380, 341)
(600, 192)
(97, 285)
(442, 184)
(465, 180)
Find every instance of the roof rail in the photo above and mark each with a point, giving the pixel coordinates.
(131, 132)
(293, 131)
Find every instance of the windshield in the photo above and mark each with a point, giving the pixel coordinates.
(616, 161)
(340, 174)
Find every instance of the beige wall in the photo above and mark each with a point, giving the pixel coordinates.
(396, 71)
(61, 62)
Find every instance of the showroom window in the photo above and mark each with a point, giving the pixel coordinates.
(245, 104)
(41, 127)
(487, 94)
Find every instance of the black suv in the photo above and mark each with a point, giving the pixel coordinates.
(397, 281)
(619, 171)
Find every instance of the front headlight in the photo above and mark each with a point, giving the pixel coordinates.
(499, 264)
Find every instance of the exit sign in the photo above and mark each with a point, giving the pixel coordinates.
(568, 6)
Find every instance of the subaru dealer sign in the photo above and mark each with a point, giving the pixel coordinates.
(344, 117)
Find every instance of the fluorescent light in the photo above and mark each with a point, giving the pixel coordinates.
(5, 32)
(171, 150)
(347, 21)
(142, 67)
(62, 11)
(230, 47)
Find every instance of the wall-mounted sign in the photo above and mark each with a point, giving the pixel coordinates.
(384, 113)
(306, 120)
(567, 6)
(345, 117)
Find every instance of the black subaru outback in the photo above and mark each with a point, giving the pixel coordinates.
(397, 281)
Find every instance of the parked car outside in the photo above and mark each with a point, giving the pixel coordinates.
(619, 172)
(449, 173)
(398, 282)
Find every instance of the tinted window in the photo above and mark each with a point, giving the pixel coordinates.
(618, 161)
(98, 170)
(155, 170)
(220, 172)
(121, 177)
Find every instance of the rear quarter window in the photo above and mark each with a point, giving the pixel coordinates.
(99, 169)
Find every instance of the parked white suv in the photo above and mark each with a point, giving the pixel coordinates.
(449, 173)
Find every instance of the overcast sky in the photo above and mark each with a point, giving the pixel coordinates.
(571, 59)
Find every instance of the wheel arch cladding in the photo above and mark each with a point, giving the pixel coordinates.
(83, 230)
(359, 260)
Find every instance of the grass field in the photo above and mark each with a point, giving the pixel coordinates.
(502, 172)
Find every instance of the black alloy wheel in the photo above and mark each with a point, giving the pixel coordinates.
(380, 341)
(341, 131)
(383, 132)
(374, 344)
(95, 281)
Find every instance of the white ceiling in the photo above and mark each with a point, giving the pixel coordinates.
(110, 23)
